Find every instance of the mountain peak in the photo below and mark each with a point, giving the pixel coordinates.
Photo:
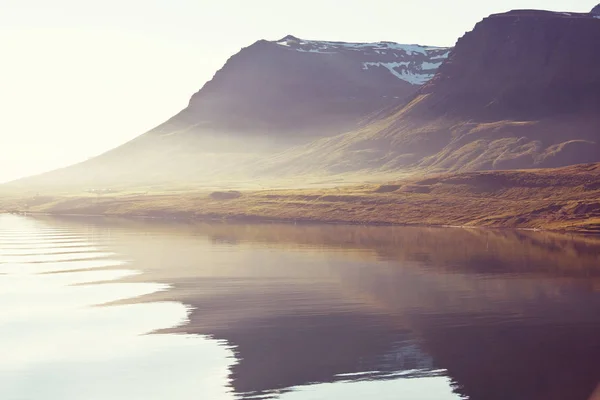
(543, 14)
(290, 38)
(324, 46)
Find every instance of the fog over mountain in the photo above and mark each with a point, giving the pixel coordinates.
(521, 90)
(269, 97)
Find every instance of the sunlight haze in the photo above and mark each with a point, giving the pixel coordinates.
(81, 77)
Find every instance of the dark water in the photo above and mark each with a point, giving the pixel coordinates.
(116, 309)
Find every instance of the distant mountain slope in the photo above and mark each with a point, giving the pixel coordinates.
(294, 88)
(521, 90)
(269, 96)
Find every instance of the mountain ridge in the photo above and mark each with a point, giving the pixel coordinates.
(521, 90)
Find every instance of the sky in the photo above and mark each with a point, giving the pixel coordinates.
(79, 77)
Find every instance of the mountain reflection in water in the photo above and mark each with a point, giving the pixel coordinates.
(501, 314)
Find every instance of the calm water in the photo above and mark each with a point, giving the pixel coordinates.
(109, 309)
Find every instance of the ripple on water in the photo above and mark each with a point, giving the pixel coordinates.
(56, 257)
(58, 266)
(43, 246)
(58, 346)
(29, 251)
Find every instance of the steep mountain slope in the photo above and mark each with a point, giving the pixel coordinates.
(295, 87)
(521, 90)
(269, 96)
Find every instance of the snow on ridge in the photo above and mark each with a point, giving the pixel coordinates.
(366, 65)
(404, 74)
(428, 65)
(441, 56)
(413, 63)
(378, 47)
(315, 51)
(415, 79)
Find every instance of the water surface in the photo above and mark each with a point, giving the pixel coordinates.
(98, 308)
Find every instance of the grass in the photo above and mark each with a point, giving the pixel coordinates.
(566, 199)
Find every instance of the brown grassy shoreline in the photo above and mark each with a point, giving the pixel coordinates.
(565, 199)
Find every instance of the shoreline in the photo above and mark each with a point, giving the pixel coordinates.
(559, 200)
(306, 222)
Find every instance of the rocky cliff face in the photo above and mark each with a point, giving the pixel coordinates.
(521, 65)
(521, 90)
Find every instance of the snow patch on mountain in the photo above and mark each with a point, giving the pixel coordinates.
(411, 63)
(428, 65)
(441, 56)
(414, 78)
(315, 51)
(401, 73)
(377, 47)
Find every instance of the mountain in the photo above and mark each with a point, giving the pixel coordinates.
(269, 96)
(521, 90)
(596, 10)
(293, 88)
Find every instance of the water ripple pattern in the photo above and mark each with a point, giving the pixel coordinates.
(57, 343)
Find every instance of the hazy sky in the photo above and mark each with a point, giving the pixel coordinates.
(78, 77)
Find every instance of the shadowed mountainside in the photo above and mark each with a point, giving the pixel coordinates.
(521, 90)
